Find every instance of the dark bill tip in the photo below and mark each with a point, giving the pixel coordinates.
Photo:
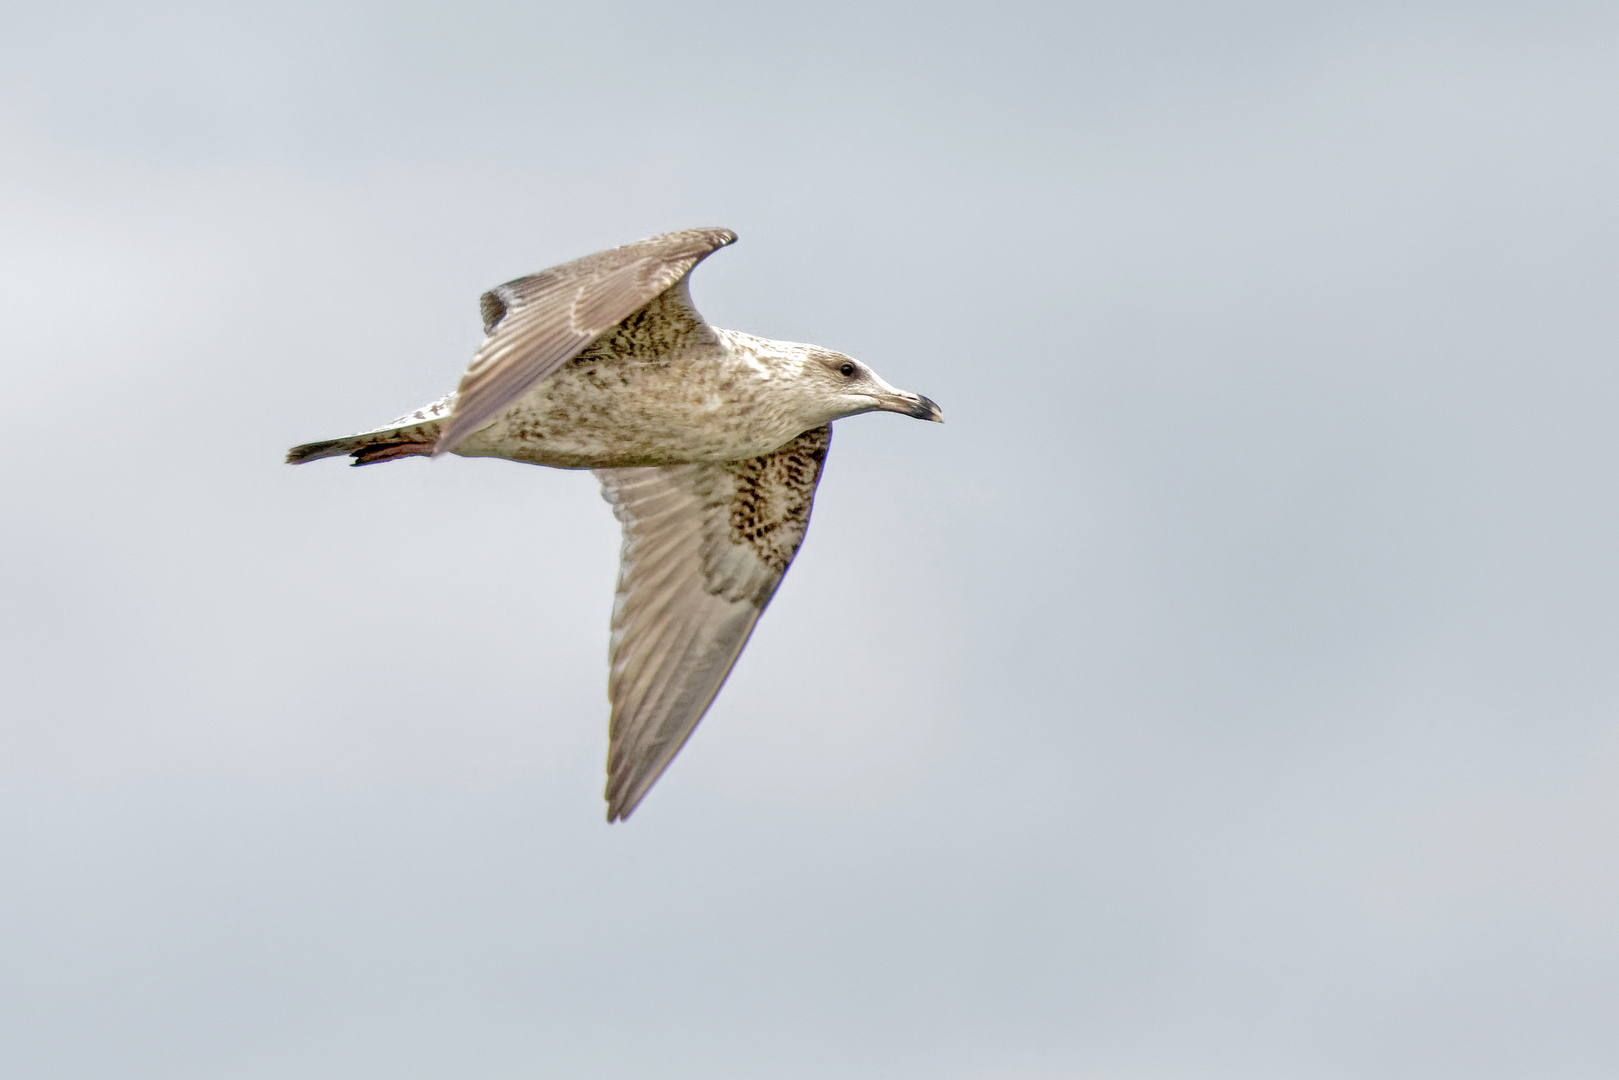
(926, 409)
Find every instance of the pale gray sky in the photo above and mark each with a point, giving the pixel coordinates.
(1227, 690)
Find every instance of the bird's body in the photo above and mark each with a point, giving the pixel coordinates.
(615, 406)
(708, 444)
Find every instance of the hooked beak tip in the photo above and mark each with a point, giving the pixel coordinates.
(927, 409)
(907, 404)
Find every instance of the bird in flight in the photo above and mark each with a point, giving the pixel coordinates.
(708, 444)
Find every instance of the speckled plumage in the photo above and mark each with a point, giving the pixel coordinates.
(708, 444)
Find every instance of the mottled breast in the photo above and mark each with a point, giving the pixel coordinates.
(660, 388)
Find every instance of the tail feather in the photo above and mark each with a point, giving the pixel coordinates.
(409, 436)
(366, 449)
(314, 451)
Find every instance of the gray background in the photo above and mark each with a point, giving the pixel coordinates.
(1226, 690)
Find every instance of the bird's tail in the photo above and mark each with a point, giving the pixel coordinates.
(409, 436)
(365, 449)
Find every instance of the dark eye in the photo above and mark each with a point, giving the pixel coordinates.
(847, 370)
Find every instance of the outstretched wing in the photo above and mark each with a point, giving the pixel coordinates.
(538, 323)
(704, 548)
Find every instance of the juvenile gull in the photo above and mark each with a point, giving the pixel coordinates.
(708, 444)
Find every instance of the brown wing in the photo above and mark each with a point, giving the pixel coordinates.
(538, 323)
(704, 548)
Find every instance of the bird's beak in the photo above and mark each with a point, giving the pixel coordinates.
(911, 405)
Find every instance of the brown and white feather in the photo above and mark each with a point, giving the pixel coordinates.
(536, 324)
(705, 546)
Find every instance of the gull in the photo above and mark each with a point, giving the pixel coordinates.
(708, 444)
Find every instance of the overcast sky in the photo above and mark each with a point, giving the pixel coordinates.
(1227, 690)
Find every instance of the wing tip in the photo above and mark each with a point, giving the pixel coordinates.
(708, 238)
(626, 791)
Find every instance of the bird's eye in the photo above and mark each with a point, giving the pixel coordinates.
(847, 370)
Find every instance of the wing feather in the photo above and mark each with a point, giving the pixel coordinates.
(705, 547)
(536, 324)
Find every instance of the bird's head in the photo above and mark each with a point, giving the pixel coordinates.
(835, 386)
